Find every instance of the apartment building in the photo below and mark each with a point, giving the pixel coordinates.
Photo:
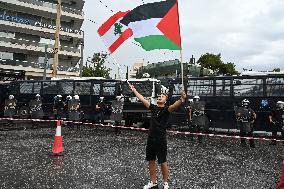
(27, 29)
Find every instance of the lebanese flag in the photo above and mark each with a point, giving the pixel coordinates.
(113, 32)
(155, 25)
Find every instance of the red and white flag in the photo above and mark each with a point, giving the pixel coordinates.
(113, 32)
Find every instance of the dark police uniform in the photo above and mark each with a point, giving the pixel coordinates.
(36, 109)
(58, 108)
(198, 118)
(99, 115)
(116, 113)
(74, 114)
(276, 124)
(157, 140)
(10, 108)
(244, 118)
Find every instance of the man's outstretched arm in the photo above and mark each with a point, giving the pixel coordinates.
(174, 106)
(139, 96)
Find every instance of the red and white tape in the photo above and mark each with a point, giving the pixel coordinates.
(143, 129)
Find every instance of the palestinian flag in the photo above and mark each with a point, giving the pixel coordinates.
(155, 25)
(113, 32)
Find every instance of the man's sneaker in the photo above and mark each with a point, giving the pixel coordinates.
(166, 186)
(151, 185)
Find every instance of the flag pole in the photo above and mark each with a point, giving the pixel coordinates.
(184, 85)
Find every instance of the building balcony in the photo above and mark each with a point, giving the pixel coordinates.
(22, 45)
(44, 8)
(37, 29)
(26, 66)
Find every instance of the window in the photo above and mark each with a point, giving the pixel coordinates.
(50, 88)
(82, 88)
(275, 86)
(47, 41)
(67, 87)
(6, 55)
(248, 87)
(37, 87)
(145, 88)
(223, 87)
(200, 88)
(26, 88)
(96, 89)
(7, 34)
(109, 88)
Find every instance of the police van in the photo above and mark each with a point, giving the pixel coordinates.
(222, 94)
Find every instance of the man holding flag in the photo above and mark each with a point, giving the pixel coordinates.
(156, 147)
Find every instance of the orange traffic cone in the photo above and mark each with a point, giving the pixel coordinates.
(57, 145)
(281, 183)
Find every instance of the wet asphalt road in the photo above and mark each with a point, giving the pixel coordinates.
(102, 158)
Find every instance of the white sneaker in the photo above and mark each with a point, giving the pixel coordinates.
(151, 185)
(166, 186)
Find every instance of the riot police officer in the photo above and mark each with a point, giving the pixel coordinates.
(68, 105)
(245, 118)
(58, 107)
(74, 113)
(36, 107)
(100, 108)
(197, 117)
(276, 120)
(10, 106)
(116, 113)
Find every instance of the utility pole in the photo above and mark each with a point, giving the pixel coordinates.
(82, 55)
(57, 39)
(127, 73)
(45, 62)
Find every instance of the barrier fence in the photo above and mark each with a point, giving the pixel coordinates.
(171, 132)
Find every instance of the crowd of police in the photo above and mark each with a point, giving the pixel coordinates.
(69, 109)
(197, 119)
(245, 120)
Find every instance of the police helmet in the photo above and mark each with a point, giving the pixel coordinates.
(38, 95)
(196, 98)
(68, 97)
(11, 97)
(245, 102)
(280, 105)
(59, 97)
(102, 98)
(76, 97)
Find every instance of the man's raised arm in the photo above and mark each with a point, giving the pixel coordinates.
(139, 96)
(174, 106)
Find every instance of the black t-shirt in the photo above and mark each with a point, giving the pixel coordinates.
(158, 122)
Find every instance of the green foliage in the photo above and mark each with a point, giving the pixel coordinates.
(210, 61)
(97, 69)
(215, 63)
(228, 69)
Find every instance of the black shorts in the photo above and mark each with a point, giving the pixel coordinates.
(156, 149)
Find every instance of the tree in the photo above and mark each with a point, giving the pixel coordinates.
(215, 63)
(98, 69)
(228, 69)
(210, 61)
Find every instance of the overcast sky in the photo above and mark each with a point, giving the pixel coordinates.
(249, 33)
